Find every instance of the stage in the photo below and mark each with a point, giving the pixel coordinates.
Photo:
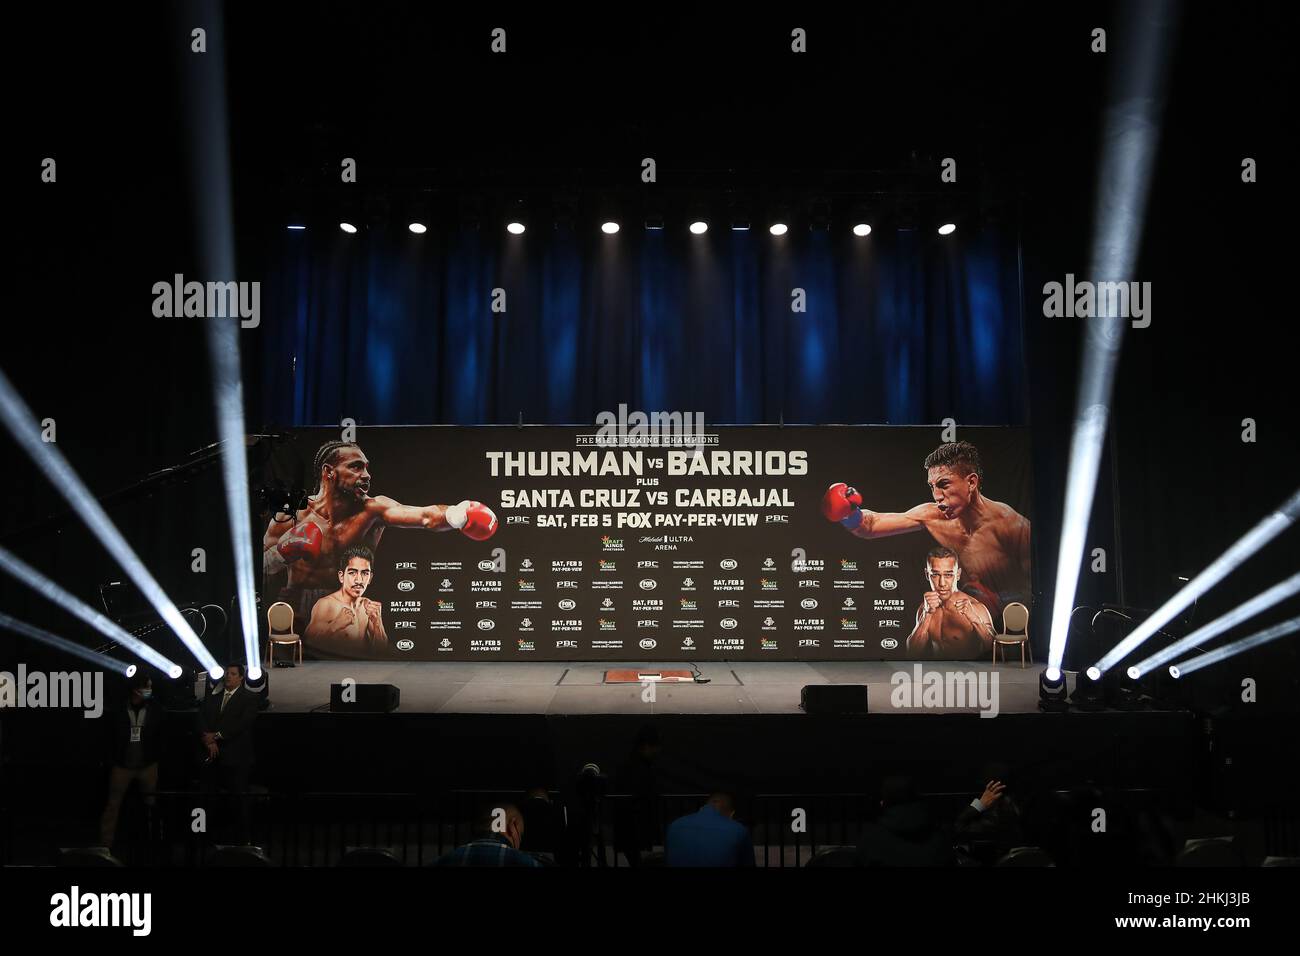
(557, 688)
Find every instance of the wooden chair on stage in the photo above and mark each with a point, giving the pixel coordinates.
(1015, 630)
(279, 619)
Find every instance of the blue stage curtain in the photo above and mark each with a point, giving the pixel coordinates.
(900, 327)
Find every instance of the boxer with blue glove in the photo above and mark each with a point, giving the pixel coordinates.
(990, 538)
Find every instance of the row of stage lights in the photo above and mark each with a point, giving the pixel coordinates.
(610, 227)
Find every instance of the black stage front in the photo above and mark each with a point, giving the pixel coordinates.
(465, 724)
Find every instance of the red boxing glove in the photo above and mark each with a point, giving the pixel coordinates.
(474, 519)
(840, 502)
(301, 541)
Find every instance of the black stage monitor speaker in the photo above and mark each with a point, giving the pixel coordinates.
(364, 699)
(833, 699)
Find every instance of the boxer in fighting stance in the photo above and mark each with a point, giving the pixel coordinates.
(346, 623)
(991, 539)
(343, 514)
(950, 625)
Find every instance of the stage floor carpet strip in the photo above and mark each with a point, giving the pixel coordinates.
(560, 688)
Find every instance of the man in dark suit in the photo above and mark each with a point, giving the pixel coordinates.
(226, 727)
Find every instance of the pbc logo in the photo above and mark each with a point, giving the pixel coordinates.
(727, 623)
(648, 643)
(486, 624)
(647, 564)
(404, 566)
(808, 643)
(568, 604)
(728, 602)
(886, 564)
(517, 519)
(727, 564)
(809, 584)
(778, 519)
(889, 584)
(485, 605)
(568, 585)
(808, 603)
(568, 645)
(404, 625)
(405, 644)
(887, 623)
(647, 622)
(888, 643)
(406, 585)
(648, 584)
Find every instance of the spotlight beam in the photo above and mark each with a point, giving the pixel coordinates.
(1248, 544)
(1236, 647)
(1260, 602)
(210, 186)
(22, 425)
(1130, 135)
(68, 647)
(26, 574)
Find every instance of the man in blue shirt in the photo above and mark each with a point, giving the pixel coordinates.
(709, 837)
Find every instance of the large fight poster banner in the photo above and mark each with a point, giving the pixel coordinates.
(662, 543)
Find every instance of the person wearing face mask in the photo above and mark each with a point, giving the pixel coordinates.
(135, 744)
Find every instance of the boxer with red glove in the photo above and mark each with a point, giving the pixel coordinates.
(343, 514)
(990, 537)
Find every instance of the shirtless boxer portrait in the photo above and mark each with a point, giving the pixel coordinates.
(346, 623)
(950, 625)
(990, 538)
(342, 514)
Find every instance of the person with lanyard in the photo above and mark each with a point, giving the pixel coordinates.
(135, 744)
